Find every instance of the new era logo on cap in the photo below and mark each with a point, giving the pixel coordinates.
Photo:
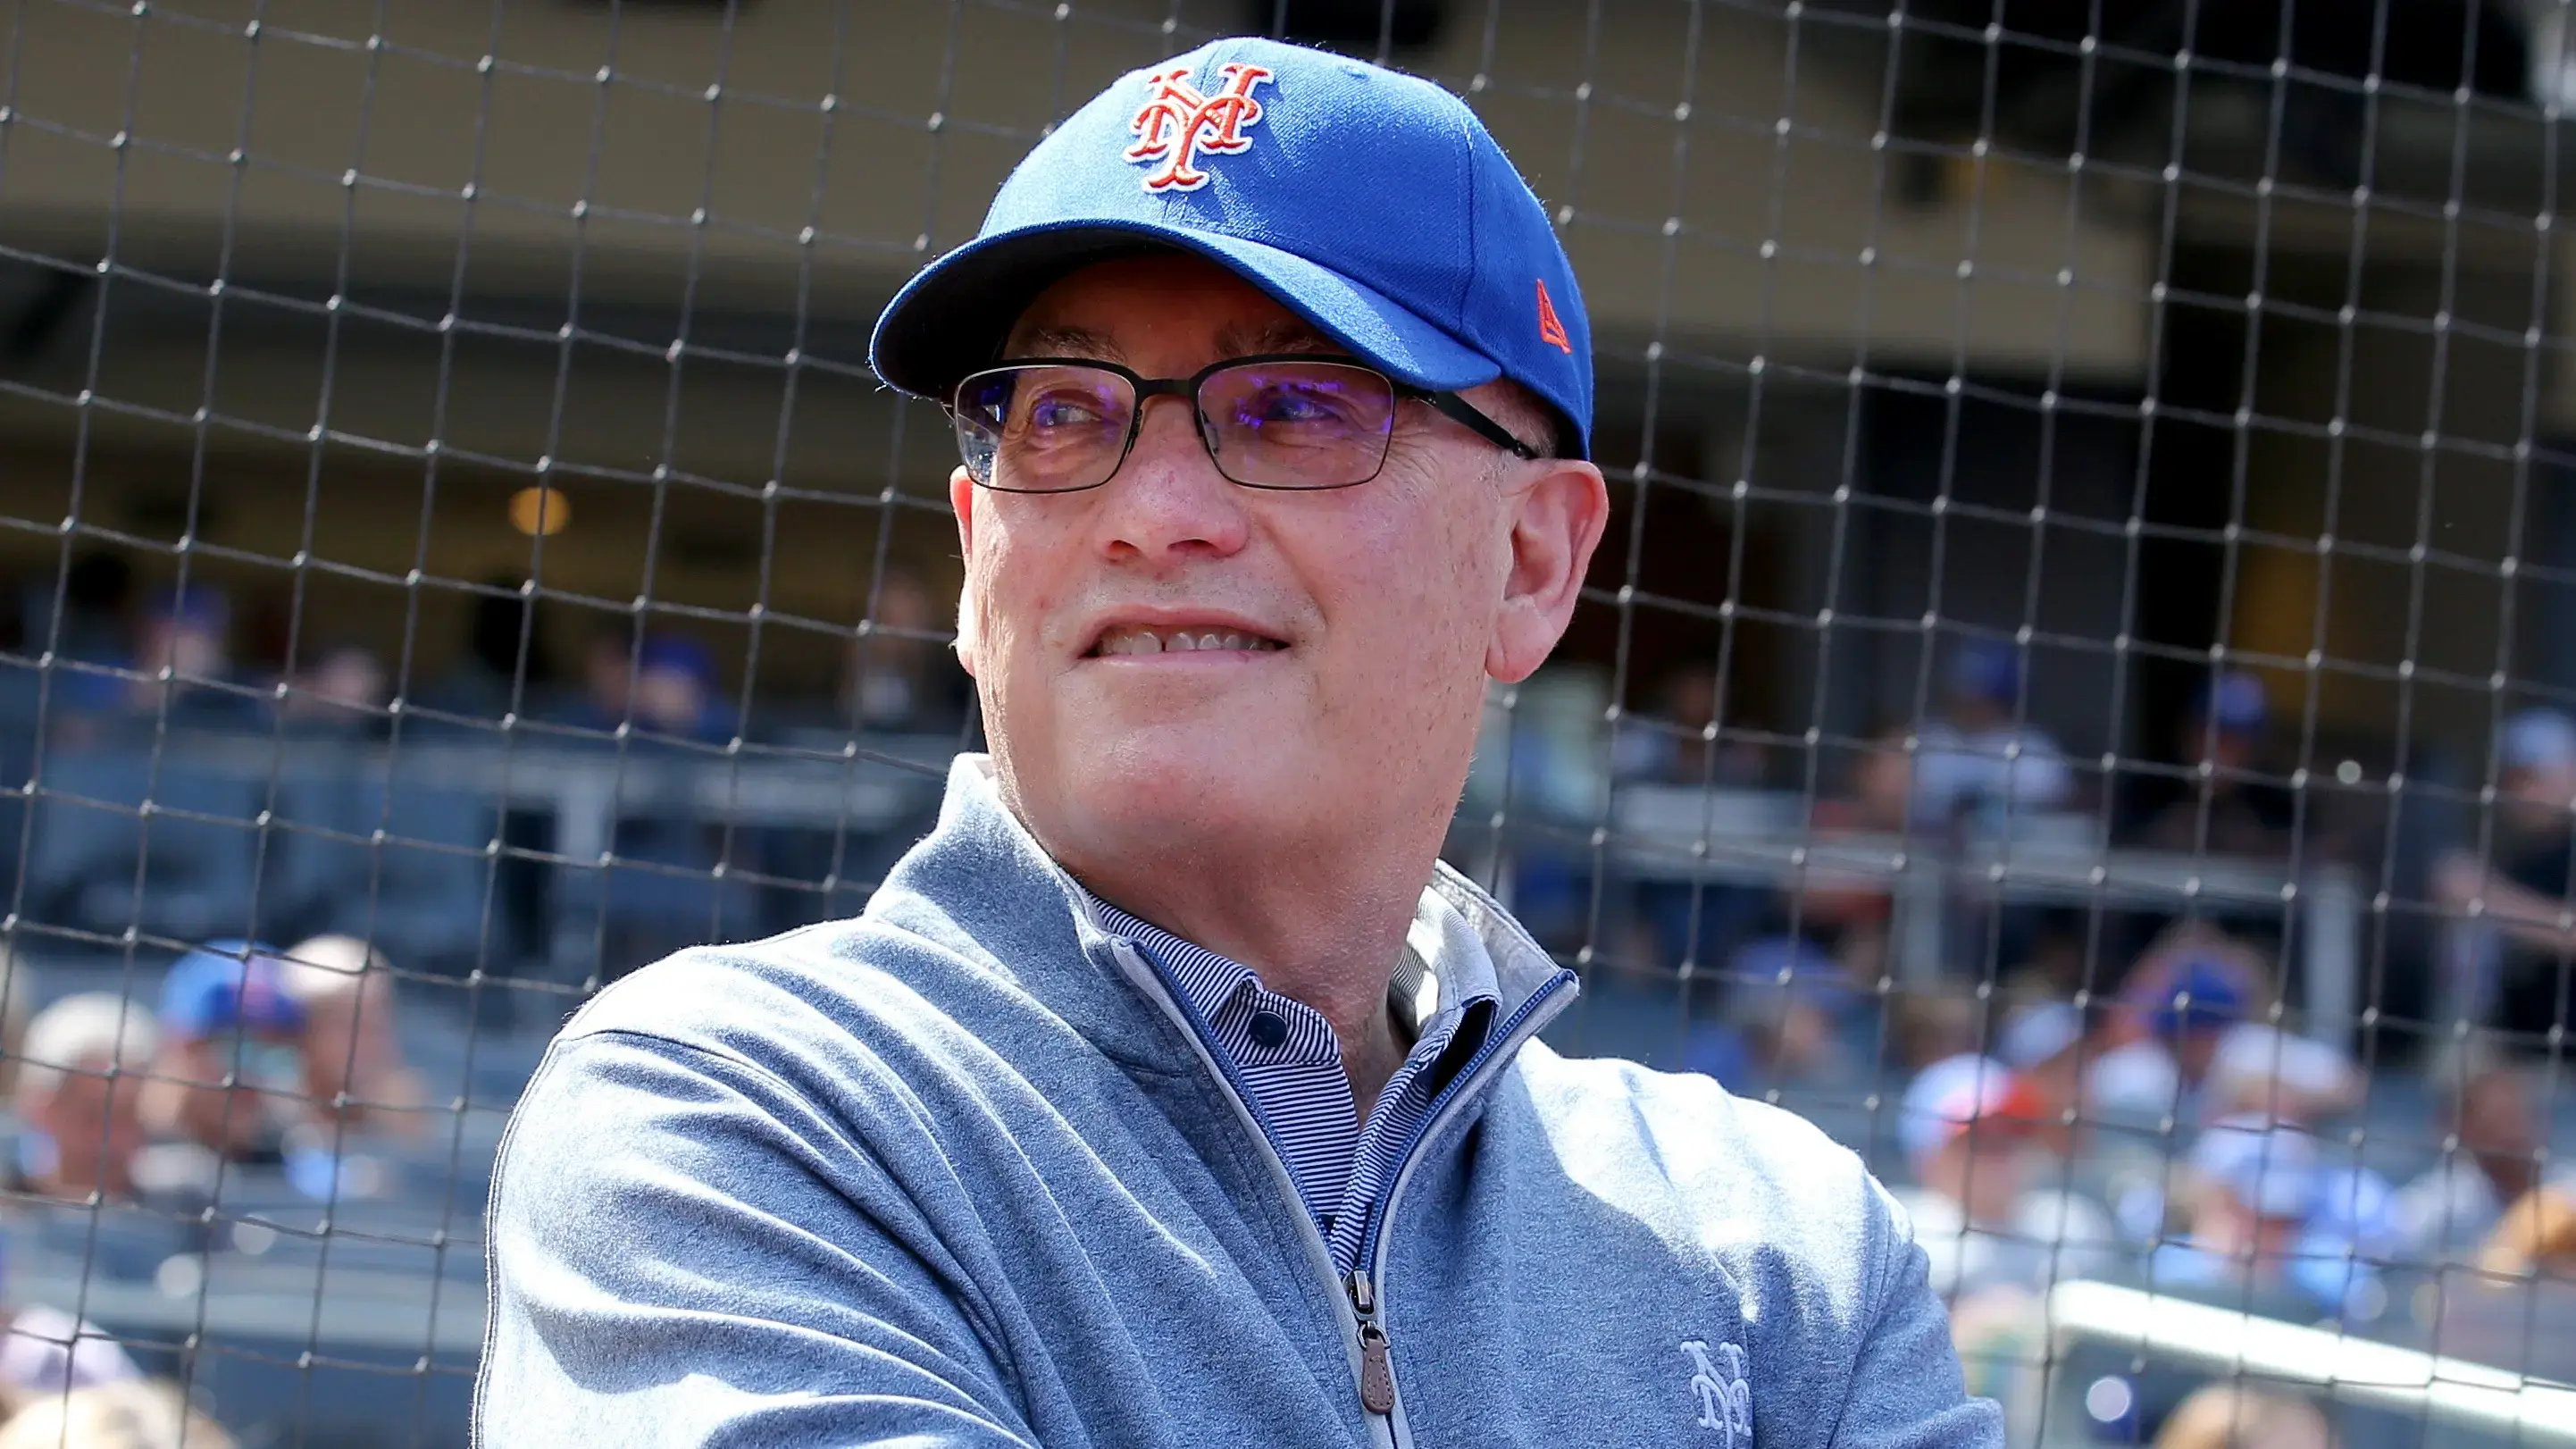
(1549, 328)
(1177, 122)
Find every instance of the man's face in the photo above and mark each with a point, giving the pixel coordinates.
(2536, 799)
(1386, 602)
(94, 1123)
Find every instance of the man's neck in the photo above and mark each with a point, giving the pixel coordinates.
(1331, 944)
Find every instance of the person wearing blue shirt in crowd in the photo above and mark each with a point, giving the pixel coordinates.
(2254, 1199)
(1172, 1093)
(231, 1031)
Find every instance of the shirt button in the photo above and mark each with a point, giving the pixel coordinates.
(1268, 1029)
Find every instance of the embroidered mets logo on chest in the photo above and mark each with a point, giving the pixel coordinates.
(1725, 1399)
(1177, 124)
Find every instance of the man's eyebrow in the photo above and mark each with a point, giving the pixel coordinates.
(1064, 342)
(1284, 335)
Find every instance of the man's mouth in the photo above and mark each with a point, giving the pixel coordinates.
(1139, 639)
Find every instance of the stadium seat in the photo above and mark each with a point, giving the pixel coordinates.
(420, 896)
(196, 878)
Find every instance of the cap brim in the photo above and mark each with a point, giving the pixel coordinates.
(952, 317)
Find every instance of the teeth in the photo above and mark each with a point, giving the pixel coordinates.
(1148, 641)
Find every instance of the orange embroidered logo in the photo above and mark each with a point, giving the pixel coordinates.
(1177, 124)
(1549, 328)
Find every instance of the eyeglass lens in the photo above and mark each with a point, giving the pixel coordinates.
(1056, 427)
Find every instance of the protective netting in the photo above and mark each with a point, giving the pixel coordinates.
(2071, 698)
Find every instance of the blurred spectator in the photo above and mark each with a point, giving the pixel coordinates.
(897, 676)
(341, 691)
(2261, 1068)
(2460, 1199)
(309, 1035)
(353, 1068)
(1966, 1127)
(675, 689)
(1674, 745)
(607, 677)
(2163, 1036)
(1877, 799)
(187, 631)
(1700, 921)
(1981, 758)
(227, 1016)
(2535, 1235)
(2224, 735)
(2250, 1205)
(2521, 894)
(134, 1414)
(1798, 1013)
(2233, 1416)
(78, 1096)
(665, 688)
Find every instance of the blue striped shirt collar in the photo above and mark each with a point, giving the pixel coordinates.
(1443, 966)
(1442, 993)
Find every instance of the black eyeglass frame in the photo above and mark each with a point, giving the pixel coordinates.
(1448, 404)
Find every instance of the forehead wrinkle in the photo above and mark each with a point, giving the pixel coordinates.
(1064, 341)
(1280, 334)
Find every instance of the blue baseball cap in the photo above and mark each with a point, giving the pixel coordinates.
(1987, 669)
(225, 986)
(2203, 995)
(1370, 203)
(2235, 702)
(680, 654)
(2539, 739)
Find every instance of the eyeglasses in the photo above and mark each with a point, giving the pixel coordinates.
(1063, 424)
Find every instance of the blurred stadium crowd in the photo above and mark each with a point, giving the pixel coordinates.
(207, 1127)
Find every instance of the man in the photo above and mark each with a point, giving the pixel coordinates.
(230, 1071)
(1983, 757)
(1986, 1208)
(1155, 1100)
(2520, 896)
(2230, 810)
(2494, 1144)
(86, 1057)
(72, 1186)
(2255, 1238)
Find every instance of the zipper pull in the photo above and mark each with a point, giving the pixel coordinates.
(1377, 1375)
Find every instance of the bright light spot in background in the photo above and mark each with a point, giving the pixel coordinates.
(540, 512)
(2349, 772)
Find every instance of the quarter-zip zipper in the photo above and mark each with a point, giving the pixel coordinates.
(1377, 1374)
(1157, 985)
(1354, 1296)
(1377, 1363)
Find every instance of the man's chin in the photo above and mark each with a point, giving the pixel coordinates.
(1168, 786)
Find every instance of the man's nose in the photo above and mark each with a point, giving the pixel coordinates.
(1168, 500)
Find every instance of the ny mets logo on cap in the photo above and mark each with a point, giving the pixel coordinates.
(1177, 124)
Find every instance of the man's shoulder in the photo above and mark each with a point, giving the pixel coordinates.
(809, 1008)
(1705, 1153)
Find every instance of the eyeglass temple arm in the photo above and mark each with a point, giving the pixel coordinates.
(1464, 412)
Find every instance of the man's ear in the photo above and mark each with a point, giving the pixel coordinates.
(1556, 523)
(961, 501)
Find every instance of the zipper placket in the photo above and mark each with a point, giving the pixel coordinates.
(1319, 1254)
(1377, 1362)
(1355, 1295)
